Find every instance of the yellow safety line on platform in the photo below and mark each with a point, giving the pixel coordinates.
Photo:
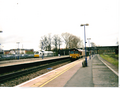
(60, 74)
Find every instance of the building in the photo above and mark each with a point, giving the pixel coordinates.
(6, 51)
(28, 51)
(19, 51)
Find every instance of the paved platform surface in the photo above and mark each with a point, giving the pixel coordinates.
(82, 78)
(97, 74)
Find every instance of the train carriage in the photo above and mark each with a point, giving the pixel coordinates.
(38, 54)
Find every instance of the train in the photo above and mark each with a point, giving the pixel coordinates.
(76, 54)
(39, 54)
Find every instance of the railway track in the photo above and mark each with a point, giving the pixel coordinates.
(24, 70)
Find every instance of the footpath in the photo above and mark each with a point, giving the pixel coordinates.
(96, 74)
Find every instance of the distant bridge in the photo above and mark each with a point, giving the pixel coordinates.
(102, 49)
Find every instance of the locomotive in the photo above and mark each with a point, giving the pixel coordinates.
(38, 54)
(76, 54)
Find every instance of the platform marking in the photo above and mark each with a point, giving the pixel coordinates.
(59, 74)
(40, 76)
(53, 75)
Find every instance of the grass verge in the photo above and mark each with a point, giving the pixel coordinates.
(110, 59)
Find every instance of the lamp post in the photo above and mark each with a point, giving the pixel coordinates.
(89, 46)
(18, 49)
(85, 42)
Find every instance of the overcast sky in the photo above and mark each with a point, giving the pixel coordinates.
(27, 20)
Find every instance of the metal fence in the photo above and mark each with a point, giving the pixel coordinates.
(16, 56)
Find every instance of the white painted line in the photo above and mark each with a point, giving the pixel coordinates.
(110, 68)
(40, 76)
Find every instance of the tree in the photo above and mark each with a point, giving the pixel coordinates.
(71, 41)
(55, 41)
(59, 43)
(49, 41)
(45, 42)
(66, 37)
(75, 41)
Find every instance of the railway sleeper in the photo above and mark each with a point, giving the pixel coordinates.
(10, 76)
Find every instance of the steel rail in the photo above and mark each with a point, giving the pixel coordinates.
(16, 74)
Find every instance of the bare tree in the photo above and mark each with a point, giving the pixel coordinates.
(46, 42)
(74, 41)
(55, 41)
(71, 41)
(59, 42)
(66, 37)
(43, 42)
(49, 41)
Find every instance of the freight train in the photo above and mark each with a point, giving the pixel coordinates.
(76, 54)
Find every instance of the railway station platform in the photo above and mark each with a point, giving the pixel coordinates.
(30, 60)
(98, 73)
